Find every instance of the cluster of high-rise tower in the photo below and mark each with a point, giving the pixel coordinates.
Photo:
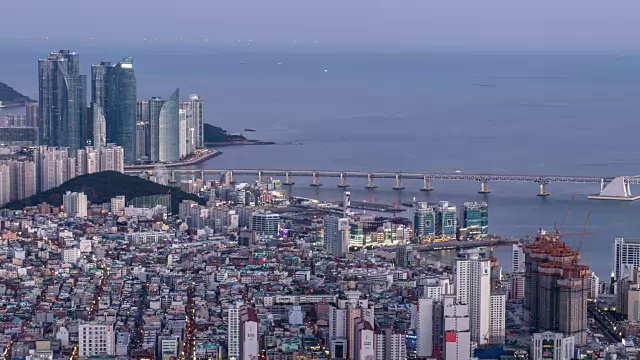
(157, 130)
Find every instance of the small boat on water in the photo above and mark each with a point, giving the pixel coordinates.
(249, 130)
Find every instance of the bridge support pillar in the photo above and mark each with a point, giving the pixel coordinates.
(288, 180)
(316, 180)
(427, 184)
(398, 183)
(260, 177)
(370, 183)
(484, 188)
(543, 189)
(343, 181)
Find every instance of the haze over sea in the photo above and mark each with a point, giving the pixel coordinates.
(536, 113)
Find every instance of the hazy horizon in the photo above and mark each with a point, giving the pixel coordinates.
(418, 25)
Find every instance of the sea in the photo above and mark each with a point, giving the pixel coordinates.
(469, 112)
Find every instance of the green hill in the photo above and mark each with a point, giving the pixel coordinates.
(214, 134)
(101, 187)
(10, 95)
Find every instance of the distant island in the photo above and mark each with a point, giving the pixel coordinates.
(217, 136)
(9, 95)
(102, 186)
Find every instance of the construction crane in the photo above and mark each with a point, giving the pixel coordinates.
(584, 230)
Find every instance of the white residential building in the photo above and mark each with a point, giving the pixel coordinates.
(473, 287)
(75, 204)
(391, 345)
(118, 204)
(96, 339)
(626, 257)
(554, 346)
(249, 339)
(497, 326)
(517, 258)
(233, 331)
(594, 289)
(457, 334)
(71, 256)
(422, 322)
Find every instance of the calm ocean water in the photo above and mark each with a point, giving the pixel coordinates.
(493, 113)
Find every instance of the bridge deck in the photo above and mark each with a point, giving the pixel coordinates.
(399, 175)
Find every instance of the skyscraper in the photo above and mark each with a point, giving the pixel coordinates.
(143, 130)
(185, 145)
(168, 129)
(194, 111)
(99, 124)
(473, 287)
(557, 287)
(153, 112)
(475, 219)
(457, 334)
(336, 235)
(113, 89)
(626, 257)
(62, 98)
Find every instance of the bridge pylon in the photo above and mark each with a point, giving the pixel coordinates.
(484, 187)
(288, 180)
(427, 184)
(398, 185)
(343, 181)
(370, 183)
(543, 189)
(316, 180)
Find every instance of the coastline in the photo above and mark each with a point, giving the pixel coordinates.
(209, 154)
(237, 143)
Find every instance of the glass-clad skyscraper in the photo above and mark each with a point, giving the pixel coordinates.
(169, 129)
(62, 97)
(113, 89)
(475, 219)
(155, 105)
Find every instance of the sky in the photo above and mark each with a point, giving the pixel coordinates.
(414, 24)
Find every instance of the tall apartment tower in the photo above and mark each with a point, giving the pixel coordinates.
(75, 204)
(364, 340)
(113, 91)
(336, 235)
(517, 258)
(473, 287)
(5, 184)
(457, 334)
(32, 110)
(62, 98)
(423, 320)
(626, 257)
(184, 139)
(194, 109)
(233, 331)
(557, 287)
(249, 339)
(23, 179)
(391, 344)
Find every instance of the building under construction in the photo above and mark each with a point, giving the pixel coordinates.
(556, 287)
